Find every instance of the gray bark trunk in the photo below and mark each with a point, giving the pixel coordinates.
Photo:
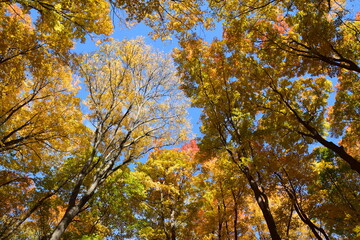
(73, 210)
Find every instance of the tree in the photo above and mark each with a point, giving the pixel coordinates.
(40, 118)
(133, 101)
(265, 83)
(41, 127)
(338, 187)
(171, 202)
(111, 211)
(249, 103)
(27, 83)
(265, 87)
(12, 186)
(56, 25)
(281, 41)
(228, 123)
(34, 58)
(224, 210)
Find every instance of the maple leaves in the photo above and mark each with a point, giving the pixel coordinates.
(265, 87)
(40, 118)
(58, 23)
(30, 77)
(39, 109)
(171, 200)
(281, 81)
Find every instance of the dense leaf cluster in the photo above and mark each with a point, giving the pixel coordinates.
(279, 92)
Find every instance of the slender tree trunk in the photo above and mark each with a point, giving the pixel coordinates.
(289, 222)
(173, 234)
(317, 231)
(235, 215)
(220, 222)
(263, 203)
(314, 134)
(225, 212)
(260, 197)
(173, 225)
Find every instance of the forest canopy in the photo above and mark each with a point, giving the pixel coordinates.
(278, 89)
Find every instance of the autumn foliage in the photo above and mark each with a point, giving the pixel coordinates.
(97, 145)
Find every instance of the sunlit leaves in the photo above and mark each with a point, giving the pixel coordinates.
(172, 198)
(133, 95)
(133, 101)
(266, 86)
(39, 110)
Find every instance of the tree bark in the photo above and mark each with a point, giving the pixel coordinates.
(65, 221)
(220, 222)
(263, 203)
(314, 134)
(235, 215)
(73, 209)
(317, 231)
(340, 151)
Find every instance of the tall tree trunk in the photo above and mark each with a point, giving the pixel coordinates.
(64, 223)
(317, 231)
(235, 214)
(263, 203)
(220, 222)
(173, 225)
(72, 210)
